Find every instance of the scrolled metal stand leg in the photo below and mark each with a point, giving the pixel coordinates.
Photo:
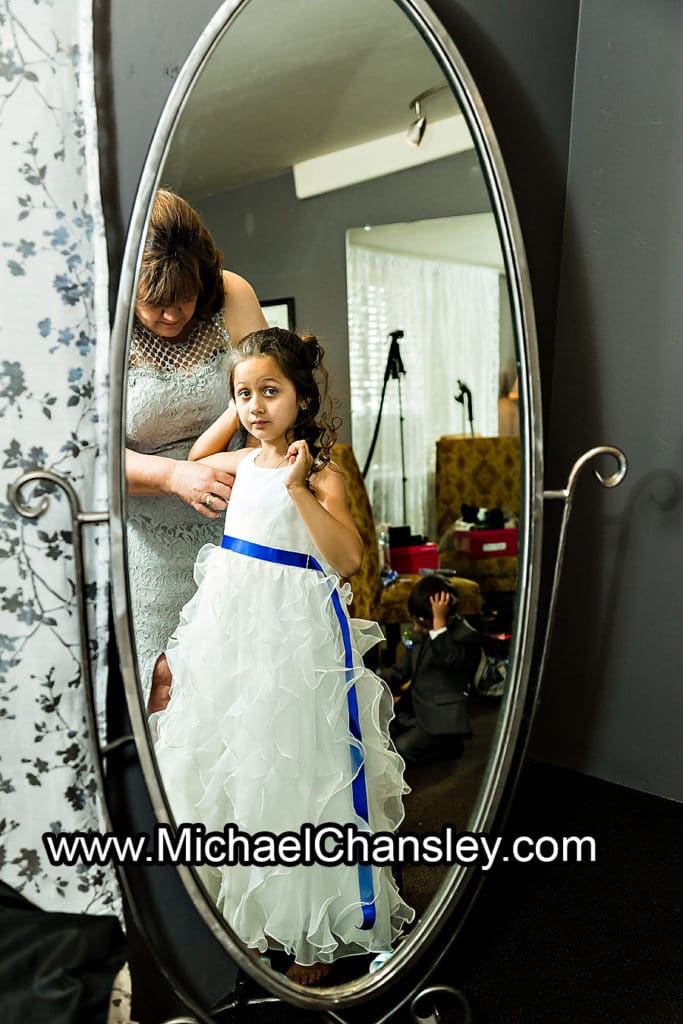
(430, 1014)
(435, 1004)
(567, 496)
(181, 1020)
(79, 519)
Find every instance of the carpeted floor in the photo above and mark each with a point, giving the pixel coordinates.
(597, 943)
(589, 943)
(445, 792)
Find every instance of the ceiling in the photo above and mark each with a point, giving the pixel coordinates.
(471, 239)
(292, 81)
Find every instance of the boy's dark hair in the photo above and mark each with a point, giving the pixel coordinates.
(429, 586)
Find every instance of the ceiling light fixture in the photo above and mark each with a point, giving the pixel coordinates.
(417, 129)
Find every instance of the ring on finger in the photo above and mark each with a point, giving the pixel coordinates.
(208, 501)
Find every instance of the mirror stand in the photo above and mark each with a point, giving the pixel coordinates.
(566, 495)
(423, 1000)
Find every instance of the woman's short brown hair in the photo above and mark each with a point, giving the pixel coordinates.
(180, 258)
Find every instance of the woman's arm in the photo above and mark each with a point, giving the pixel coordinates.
(326, 512)
(242, 314)
(216, 437)
(147, 474)
(242, 311)
(190, 481)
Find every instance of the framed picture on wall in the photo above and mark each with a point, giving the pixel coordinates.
(279, 313)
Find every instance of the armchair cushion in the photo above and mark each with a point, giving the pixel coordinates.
(366, 584)
(490, 573)
(370, 599)
(394, 602)
(481, 471)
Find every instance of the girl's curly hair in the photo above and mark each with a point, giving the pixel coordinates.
(300, 359)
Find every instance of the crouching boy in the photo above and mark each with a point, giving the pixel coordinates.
(432, 718)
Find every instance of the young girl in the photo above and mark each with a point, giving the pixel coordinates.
(273, 721)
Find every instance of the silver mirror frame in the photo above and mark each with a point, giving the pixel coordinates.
(513, 726)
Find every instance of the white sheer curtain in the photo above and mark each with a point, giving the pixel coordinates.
(449, 314)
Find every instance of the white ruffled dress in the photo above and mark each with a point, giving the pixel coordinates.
(259, 731)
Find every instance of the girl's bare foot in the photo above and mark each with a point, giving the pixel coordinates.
(311, 975)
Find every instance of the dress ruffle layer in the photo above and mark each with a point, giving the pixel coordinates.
(257, 734)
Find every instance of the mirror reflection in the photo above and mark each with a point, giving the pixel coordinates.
(335, 190)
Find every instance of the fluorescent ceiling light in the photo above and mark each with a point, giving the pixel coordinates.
(379, 157)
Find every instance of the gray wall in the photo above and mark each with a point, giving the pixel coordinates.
(290, 247)
(521, 55)
(148, 43)
(608, 311)
(613, 703)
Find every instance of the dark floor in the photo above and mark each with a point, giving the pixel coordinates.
(589, 943)
(581, 943)
(445, 792)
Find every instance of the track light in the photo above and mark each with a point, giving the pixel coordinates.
(417, 128)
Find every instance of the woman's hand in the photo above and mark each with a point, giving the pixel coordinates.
(301, 461)
(206, 489)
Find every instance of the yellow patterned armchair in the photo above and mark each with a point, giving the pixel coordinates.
(480, 471)
(370, 599)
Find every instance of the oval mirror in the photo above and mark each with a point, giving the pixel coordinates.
(345, 167)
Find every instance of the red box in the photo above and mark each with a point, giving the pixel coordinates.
(412, 559)
(486, 543)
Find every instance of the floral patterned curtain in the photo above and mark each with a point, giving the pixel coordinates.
(53, 362)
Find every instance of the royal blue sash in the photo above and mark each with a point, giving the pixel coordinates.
(358, 786)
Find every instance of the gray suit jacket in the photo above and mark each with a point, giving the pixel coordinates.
(441, 671)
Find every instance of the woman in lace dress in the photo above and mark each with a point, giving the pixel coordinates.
(187, 311)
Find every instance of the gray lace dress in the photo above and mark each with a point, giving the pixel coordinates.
(175, 391)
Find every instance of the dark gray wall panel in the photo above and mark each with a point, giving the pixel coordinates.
(613, 701)
(521, 55)
(149, 43)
